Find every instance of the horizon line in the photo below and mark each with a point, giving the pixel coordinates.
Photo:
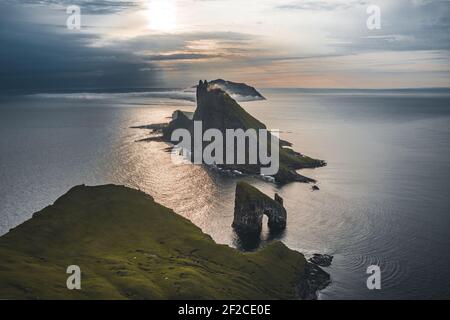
(142, 89)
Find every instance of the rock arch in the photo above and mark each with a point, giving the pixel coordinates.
(251, 205)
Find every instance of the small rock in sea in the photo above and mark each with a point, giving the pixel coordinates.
(323, 260)
(315, 188)
(315, 279)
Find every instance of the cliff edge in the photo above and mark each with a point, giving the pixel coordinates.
(218, 110)
(251, 204)
(130, 247)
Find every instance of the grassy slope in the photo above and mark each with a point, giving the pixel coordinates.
(287, 159)
(129, 246)
(247, 192)
(247, 119)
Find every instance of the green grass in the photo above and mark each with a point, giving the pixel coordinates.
(247, 193)
(130, 247)
(246, 118)
(289, 160)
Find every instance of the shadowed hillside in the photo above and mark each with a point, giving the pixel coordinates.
(130, 247)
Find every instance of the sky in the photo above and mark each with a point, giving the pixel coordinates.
(265, 43)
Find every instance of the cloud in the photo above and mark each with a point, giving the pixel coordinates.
(188, 46)
(321, 5)
(405, 25)
(40, 54)
(41, 57)
(88, 6)
(180, 56)
(267, 42)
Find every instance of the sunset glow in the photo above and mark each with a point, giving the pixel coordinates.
(162, 15)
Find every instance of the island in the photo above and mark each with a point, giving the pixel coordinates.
(216, 109)
(130, 247)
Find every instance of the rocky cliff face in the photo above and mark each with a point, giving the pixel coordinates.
(179, 120)
(250, 206)
(217, 110)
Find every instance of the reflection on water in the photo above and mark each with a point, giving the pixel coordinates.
(383, 198)
(245, 241)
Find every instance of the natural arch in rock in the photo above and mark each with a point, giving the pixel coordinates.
(251, 205)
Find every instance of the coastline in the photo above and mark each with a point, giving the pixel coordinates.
(130, 247)
(218, 111)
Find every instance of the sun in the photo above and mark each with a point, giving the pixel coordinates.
(162, 15)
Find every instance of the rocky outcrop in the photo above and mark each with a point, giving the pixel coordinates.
(179, 120)
(250, 206)
(323, 260)
(218, 110)
(315, 279)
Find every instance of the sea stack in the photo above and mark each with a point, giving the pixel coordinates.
(219, 111)
(249, 207)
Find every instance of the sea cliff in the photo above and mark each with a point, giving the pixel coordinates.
(216, 109)
(130, 247)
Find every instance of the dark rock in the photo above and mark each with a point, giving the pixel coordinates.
(278, 199)
(314, 280)
(286, 175)
(250, 206)
(323, 260)
(179, 120)
(315, 188)
(154, 127)
(157, 138)
(217, 110)
(176, 113)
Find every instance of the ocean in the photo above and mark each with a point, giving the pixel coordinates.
(384, 197)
